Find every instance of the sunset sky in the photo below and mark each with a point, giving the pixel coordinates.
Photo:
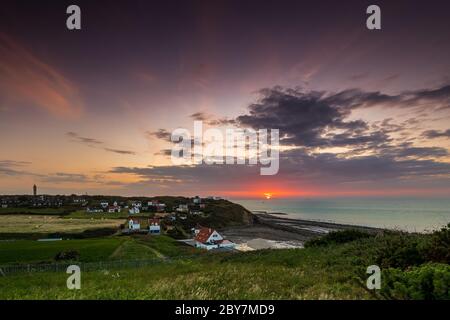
(360, 112)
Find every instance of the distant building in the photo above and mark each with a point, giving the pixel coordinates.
(154, 226)
(134, 224)
(197, 200)
(183, 208)
(34, 190)
(134, 210)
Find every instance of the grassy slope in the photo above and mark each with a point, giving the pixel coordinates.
(331, 271)
(316, 273)
(28, 251)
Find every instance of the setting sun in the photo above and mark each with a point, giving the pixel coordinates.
(268, 195)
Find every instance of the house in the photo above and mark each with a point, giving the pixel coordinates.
(134, 210)
(134, 224)
(113, 209)
(197, 200)
(154, 226)
(136, 204)
(183, 208)
(155, 204)
(4, 206)
(104, 204)
(208, 239)
(94, 209)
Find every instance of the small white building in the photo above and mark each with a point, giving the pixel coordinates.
(197, 200)
(208, 239)
(104, 204)
(134, 224)
(114, 209)
(154, 226)
(136, 204)
(183, 208)
(134, 210)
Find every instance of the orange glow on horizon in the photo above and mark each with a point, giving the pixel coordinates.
(268, 195)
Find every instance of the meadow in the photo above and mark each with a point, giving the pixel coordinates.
(413, 267)
(91, 250)
(21, 223)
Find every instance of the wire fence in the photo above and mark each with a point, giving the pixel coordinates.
(84, 266)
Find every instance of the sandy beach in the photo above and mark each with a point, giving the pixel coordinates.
(277, 231)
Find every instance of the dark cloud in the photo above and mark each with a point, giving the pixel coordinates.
(162, 134)
(200, 116)
(94, 143)
(13, 167)
(62, 177)
(430, 134)
(77, 138)
(119, 151)
(305, 119)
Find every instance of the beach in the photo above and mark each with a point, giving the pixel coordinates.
(277, 231)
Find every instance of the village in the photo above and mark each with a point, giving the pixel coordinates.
(180, 219)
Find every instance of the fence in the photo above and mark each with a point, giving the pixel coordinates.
(85, 266)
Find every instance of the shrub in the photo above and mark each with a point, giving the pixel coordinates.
(398, 251)
(405, 250)
(67, 255)
(336, 237)
(437, 248)
(429, 282)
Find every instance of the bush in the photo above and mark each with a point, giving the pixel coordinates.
(437, 248)
(405, 250)
(429, 282)
(399, 251)
(337, 237)
(67, 255)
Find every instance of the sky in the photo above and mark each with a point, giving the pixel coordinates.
(360, 112)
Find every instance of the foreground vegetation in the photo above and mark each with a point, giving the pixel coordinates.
(414, 266)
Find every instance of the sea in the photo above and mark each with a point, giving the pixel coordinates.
(407, 214)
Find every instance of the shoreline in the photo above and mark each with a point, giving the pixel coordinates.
(274, 231)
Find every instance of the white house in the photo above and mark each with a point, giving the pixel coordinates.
(134, 224)
(104, 204)
(208, 239)
(136, 204)
(94, 210)
(154, 226)
(196, 200)
(134, 210)
(183, 208)
(113, 209)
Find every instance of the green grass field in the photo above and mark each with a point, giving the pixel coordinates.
(414, 266)
(29, 251)
(300, 274)
(98, 249)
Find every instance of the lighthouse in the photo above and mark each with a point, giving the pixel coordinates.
(34, 190)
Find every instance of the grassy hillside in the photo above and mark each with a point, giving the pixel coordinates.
(413, 267)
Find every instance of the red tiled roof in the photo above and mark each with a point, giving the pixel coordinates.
(154, 221)
(204, 235)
